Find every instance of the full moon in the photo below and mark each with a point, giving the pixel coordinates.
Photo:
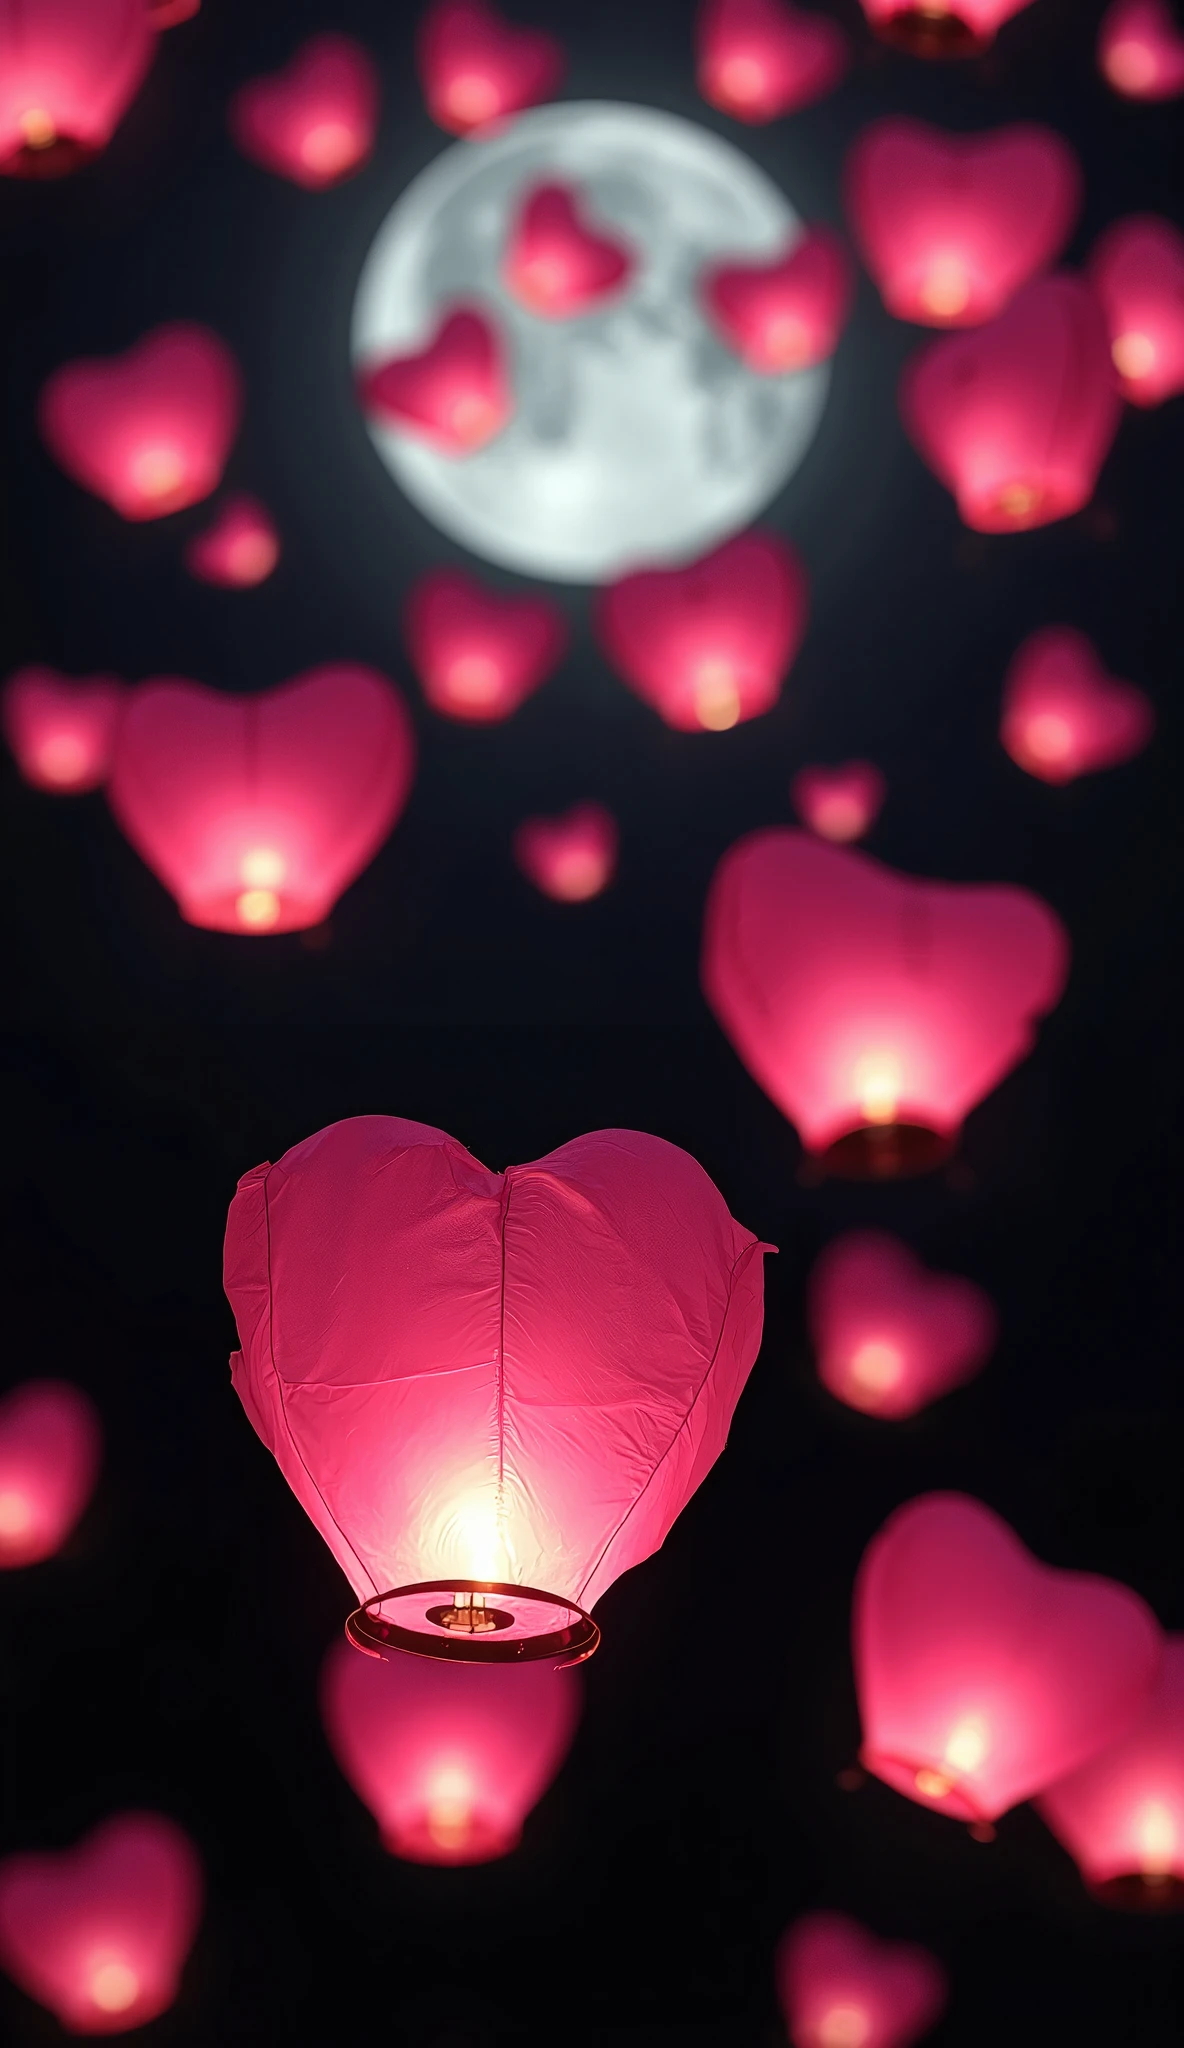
(637, 436)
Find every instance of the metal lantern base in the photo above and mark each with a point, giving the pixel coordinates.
(464, 1628)
(931, 32)
(886, 1152)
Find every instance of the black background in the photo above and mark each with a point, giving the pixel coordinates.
(169, 1657)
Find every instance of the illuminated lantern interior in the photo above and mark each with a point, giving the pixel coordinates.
(476, 67)
(99, 1933)
(875, 1009)
(1063, 716)
(941, 28)
(890, 1336)
(315, 120)
(982, 1674)
(454, 392)
(69, 70)
(784, 315)
(841, 1987)
(480, 654)
(572, 857)
(62, 733)
(450, 1758)
(840, 804)
(1137, 271)
(50, 1445)
(240, 548)
(492, 1393)
(557, 265)
(256, 812)
(757, 59)
(1141, 50)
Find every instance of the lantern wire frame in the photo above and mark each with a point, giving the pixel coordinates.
(465, 1630)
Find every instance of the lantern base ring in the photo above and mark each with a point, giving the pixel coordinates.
(933, 31)
(465, 1629)
(1139, 1893)
(886, 1152)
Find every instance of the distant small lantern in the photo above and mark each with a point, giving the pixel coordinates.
(951, 226)
(148, 431)
(239, 550)
(941, 28)
(709, 645)
(450, 1758)
(890, 1336)
(841, 1987)
(984, 1675)
(61, 731)
(840, 804)
(492, 1392)
(50, 1446)
(757, 59)
(69, 70)
(477, 653)
(1137, 271)
(257, 812)
(476, 67)
(454, 392)
(787, 314)
(572, 857)
(557, 264)
(99, 1933)
(1017, 418)
(314, 121)
(875, 1009)
(1141, 50)
(1063, 716)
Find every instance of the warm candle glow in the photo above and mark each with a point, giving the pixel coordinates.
(946, 290)
(450, 1809)
(1155, 1832)
(1131, 67)
(741, 80)
(62, 759)
(37, 128)
(717, 699)
(328, 147)
(262, 868)
(1048, 738)
(259, 909)
(1019, 500)
(578, 875)
(114, 1986)
(1134, 355)
(967, 1746)
(472, 100)
(16, 1515)
(878, 1081)
(877, 1367)
(474, 679)
(932, 1785)
(157, 471)
(844, 2026)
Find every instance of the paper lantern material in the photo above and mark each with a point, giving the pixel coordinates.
(757, 59)
(1063, 716)
(69, 70)
(62, 732)
(164, 14)
(1137, 271)
(984, 1675)
(257, 812)
(1141, 50)
(148, 431)
(454, 392)
(478, 654)
(1017, 418)
(840, 803)
(50, 1447)
(941, 28)
(313, 122)
(475, 67)
(841, 1987)
(951, 226)
(570, 858)
(890, 1336)
(450, 1758)
(557, 264)
(99, 1933)
(487, 1382)
(239, 550)
(874, 1008)
(784, 315)
(709, 645)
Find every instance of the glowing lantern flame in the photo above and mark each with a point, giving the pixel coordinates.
(314, 121)
(1141, 50)
(1063, 716)
(69, 70)
(889, 1335)
(758, 59)
(475, 67)
(1137, 271)
(841, 1987)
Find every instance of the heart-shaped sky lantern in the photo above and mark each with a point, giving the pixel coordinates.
(239, 550)
(150, 430)
(62, 732)
(455, 391)
(840, 803)
(875, 1009)
(951, 226)
(759, 58)
(1018, 417)
(449, 1759)
(475, 67)
(557, 264)
(841, 1987)
(480, 654)
(68, 72)
(709, 645)
(50, 1445)
(1137, 271)
(100, 1933)
(1063, 716)
(1141, 51)
(256, 812)
(941, 28)
(314, 121)
(572, 857)
(889, 1335)
(492, 1392)
(786, 314)
(984, 1675)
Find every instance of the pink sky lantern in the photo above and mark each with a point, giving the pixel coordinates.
(840, 803)
(841, 1987)
(557, 264)
(100, 1933)
(491, 1392)
(314, 121)
(1017, 418)
(982, 1674)
(1141, 50)
(709, 645)
(450, 1758)
(1063, 716)
(454, 392)
(149, 431)
(62, 732)
(50, 1447)
(572, 857)
(69, 70)
(757, 59)
(874, 1008)
(889, 1335)
(257, 812)
(1121, 1816)
(941, 28)
(787, 314)
(951, 226)
(240, 548)
(479, 654)
(477, 67)
(1137, 271)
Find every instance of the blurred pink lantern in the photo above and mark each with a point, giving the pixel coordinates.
(454, 392)
(982, 1674)
(951, 226)
(1018, 417)
(149, 431)
(875, 1009)
(1137, 271)
(1121, 1816)
(572, 857)
(476, 67)
(941, 28)
(558, 265)
(709, 645)
(1141, 51)
(839, 803)
(480, 655)
(239, 550)
(449, 1758)
(890, 1336)
(840, 1987)
(171, 13)
(492, 1392)
(69, 70)
(62, 732)
(50, 1445)
(760, 58)
(314, 121)
(100, 1933)
(786, 314)
(257, 812)
(1063, 716)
